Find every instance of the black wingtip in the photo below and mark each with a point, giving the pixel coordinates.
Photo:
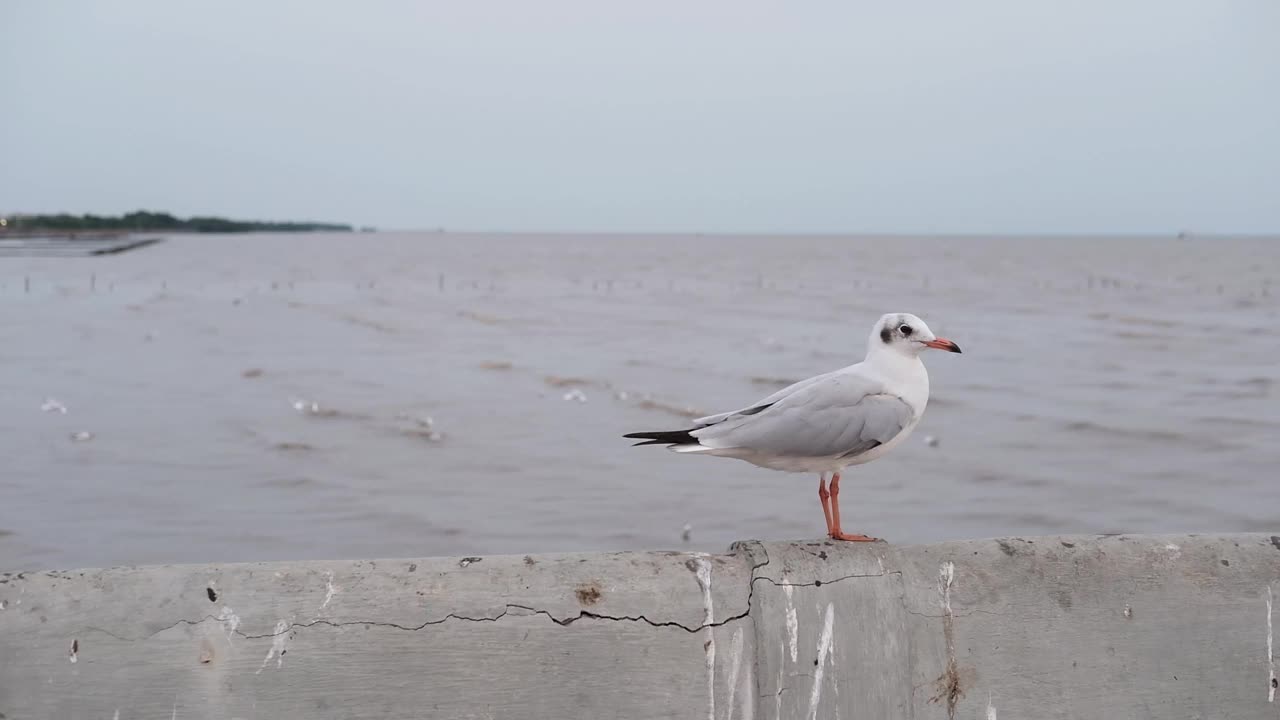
(676, 437)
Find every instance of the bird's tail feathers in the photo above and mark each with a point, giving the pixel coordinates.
(674, 437)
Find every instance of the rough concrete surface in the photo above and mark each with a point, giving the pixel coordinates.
(1052, 627)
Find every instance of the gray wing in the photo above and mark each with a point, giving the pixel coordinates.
(762, 404)
(840, 414)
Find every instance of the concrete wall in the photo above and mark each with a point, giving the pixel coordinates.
(1054, 627)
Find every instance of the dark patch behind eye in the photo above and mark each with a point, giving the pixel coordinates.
(885, 335)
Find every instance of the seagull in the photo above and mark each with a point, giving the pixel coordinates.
(829, 422)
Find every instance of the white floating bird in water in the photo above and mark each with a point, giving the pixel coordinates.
(828, 422)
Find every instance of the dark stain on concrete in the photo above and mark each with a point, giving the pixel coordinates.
(588, 594)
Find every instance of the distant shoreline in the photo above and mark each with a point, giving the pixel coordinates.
(64, 224)
(102, 234)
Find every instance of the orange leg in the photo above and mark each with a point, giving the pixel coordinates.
(833, 520)
(824, 496)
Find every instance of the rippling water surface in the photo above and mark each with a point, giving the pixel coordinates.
(332, 396)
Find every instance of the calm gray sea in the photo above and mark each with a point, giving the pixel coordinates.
(372, 395)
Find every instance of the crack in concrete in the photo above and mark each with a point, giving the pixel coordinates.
(512, 608)
(507, 610)
(153, 633)
(820, 583)
(517, 609)
(563, 622)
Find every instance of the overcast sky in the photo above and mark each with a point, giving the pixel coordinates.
(714, 115)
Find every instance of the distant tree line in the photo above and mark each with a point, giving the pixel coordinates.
(143, 220)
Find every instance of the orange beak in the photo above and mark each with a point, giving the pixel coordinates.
(943, 344)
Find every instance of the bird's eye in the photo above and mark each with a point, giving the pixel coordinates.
(906, 330)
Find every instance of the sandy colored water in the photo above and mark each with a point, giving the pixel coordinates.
(267, 397)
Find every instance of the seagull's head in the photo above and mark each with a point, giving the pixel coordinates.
(906, 334)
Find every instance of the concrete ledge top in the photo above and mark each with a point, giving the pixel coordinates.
(567, 586)
(1060, 626)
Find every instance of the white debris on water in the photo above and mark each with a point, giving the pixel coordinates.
(425, 426)
(576, 394)
(931, 440)
(82, 436)
(306, 407)
(52, 405)
(686, 532)
(426, 422)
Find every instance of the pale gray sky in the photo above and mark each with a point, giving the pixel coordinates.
(720, 115)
